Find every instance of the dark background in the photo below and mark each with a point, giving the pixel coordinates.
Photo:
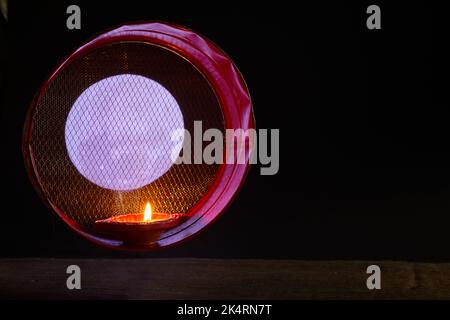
(363, 117)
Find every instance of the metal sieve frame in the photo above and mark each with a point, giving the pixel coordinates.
(235, 102)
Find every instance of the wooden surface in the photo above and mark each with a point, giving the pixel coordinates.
(220, 279)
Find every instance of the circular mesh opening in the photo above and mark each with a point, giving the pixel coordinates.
(175, 189)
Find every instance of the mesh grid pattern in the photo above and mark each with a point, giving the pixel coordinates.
(176, 191)
(118, 133)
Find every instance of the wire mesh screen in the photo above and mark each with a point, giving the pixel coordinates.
(99, 140)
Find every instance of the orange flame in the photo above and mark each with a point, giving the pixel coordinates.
(148, 212)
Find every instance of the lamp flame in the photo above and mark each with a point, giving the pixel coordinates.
(148, 212)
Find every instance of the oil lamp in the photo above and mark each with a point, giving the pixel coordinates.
(137, 228)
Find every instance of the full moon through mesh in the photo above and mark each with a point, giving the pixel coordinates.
(119, 132)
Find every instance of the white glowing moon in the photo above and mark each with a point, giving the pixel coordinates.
(118, 132)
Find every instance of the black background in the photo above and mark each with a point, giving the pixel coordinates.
(363, 118)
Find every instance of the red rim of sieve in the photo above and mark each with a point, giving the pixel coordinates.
(234, 100)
